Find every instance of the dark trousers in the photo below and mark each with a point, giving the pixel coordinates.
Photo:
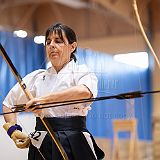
(69, 132)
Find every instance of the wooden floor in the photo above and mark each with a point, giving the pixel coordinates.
(143, 150)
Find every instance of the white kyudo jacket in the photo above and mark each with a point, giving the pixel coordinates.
(43, 82)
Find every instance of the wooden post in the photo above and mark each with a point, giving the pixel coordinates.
(120, 125)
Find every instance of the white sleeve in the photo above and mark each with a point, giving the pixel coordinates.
(16, 94)
(89, 79)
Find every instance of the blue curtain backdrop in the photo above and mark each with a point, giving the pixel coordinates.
(114, 78)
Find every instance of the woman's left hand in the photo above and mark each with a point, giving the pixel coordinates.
(36, 109)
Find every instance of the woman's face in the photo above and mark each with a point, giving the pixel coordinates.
(59, 51)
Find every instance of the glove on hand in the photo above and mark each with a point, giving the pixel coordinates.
(20, 139)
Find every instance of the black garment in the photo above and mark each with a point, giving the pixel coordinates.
(69, 132)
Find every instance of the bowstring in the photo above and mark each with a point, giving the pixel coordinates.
(18, 119)
(44, 62)
(25, 130)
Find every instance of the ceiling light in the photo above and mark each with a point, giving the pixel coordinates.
(20, 33)
(73, 3)
(39, 39)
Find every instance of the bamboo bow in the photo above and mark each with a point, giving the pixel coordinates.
(29, 96)
(143, 33)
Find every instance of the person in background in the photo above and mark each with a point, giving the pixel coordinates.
(64, 80)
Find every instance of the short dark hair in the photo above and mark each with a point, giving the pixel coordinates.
(69, 33)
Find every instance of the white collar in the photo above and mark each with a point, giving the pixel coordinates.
(67, 67)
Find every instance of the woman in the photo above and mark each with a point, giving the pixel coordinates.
(64, 80)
